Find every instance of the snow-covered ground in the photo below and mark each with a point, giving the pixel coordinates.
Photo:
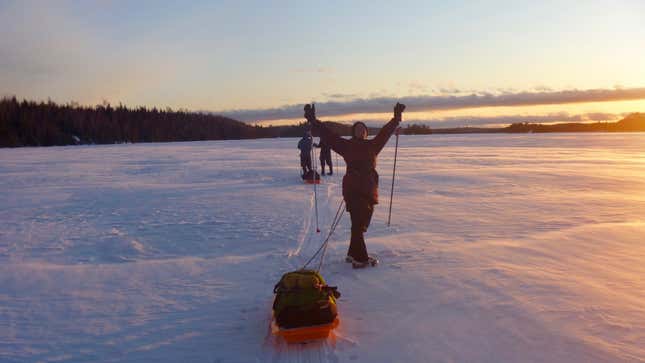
(503, 248)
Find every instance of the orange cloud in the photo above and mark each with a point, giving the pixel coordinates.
(443, 102)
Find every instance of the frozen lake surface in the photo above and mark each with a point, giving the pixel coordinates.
(503, 248)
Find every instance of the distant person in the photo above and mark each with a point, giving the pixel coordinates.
(305, 144)
(360, 183)
(325, 156)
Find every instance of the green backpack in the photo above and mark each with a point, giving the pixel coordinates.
(304, 299)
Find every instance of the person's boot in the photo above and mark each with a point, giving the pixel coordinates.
(371, 261)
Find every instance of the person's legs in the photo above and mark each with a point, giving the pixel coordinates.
(322, 165)
(361, 214)
(303, 164)
(307, 162)
(331, 168)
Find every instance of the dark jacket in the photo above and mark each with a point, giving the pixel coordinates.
(325, 148)
(305, 144)
(361, 179)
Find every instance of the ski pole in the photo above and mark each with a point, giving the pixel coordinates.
(313, 160)
(396, 148)
(336, 156)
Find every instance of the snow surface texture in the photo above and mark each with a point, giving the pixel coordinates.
(503, 248)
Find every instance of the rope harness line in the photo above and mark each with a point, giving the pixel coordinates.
(331, 231)
(322, 250)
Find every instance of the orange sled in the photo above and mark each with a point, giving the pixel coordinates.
(311, 181)
(304, 334)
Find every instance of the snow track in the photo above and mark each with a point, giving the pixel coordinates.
(276, 350)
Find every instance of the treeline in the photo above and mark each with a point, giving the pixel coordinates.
(341, 129)
(631, 123)
(300, 129)
(29, 123)
(415, 129)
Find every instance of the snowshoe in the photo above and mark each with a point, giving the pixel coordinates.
(371, 261)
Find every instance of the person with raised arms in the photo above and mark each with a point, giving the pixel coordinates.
(360, 183)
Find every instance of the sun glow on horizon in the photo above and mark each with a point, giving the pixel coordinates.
(572, 112)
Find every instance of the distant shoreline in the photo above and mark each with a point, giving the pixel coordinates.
(634, 122)
(29, 123)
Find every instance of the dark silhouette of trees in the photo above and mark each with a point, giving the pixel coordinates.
(415, 129)
(633, 122)
(28, 123)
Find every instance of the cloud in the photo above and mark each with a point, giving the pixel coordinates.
(542, 88)
(441, 102)
(417, 86)
(483, 121)
(448, 91)
(339, 95)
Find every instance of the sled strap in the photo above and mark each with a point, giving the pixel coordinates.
(323, 247)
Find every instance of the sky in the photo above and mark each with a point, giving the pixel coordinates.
(455, 63)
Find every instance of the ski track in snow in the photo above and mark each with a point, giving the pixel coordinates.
(309, 241)
(503, 248)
